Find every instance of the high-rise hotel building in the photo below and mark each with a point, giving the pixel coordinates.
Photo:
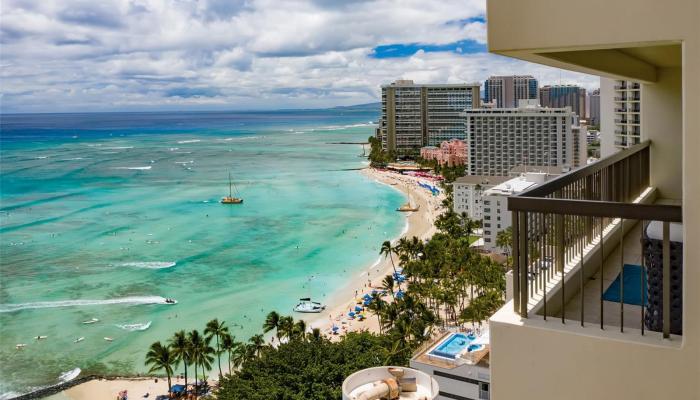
(501, 139)
(415, 115)
(507, 90)
(560, 96)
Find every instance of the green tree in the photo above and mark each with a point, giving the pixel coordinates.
(272, 322)
(387, 251)
(312, 370)
(181, 349)
(159, 357)
(216, 329)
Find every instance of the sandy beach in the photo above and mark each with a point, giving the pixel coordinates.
(419, 223)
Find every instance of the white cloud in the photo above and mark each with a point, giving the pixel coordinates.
(150, 54)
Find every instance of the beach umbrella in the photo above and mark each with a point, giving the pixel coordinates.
(367, 302)
(399, 294)
(351, 314)
(358, 308)
(368, 297)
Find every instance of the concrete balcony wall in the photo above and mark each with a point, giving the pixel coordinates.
(657, 43)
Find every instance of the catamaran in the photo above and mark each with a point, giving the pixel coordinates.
(230, 199)
(408, 207)
(307, 306)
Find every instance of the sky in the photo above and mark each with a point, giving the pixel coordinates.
(149, 55)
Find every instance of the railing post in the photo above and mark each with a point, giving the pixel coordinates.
(516, 263)
(559, 220)
(666, 275)
(524, 291)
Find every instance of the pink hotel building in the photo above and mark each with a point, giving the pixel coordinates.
(453, 152)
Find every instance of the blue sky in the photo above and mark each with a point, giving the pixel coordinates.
(82, 55)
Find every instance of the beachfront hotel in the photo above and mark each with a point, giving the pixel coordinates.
(503, 138)
(416, 115)
(450, 152)
(606, 289)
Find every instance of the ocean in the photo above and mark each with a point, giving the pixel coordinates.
(105, 215)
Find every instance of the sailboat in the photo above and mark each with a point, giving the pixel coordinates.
(408, 207)
(230, 199)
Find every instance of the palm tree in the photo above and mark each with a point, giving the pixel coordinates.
(228, 344)
(377, 305)
(299, 330)
(388, 284)
(258, 342)
(160, 357)
(387, 251)
(196, 345)
(315, 334)
(286, 327)
(180, 346)
(504, 239)
(216, 329)
(272, 321)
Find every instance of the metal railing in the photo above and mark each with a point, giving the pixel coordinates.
(555, 223)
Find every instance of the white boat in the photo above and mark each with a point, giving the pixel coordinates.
(170, 301)
(80, 339)
(20, 346)
(307, 306)
(40, 337)
(109, 339)
(90, 321)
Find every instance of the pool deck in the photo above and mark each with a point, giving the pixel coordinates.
(423, 356)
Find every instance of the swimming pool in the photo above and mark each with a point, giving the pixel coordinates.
(452, 345)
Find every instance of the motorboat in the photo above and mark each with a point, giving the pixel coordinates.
(109, 339)
(90, 321)
(307, 306)
(170, 301)
(78, 340)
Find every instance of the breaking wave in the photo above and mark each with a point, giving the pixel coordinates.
(149, 264)
(135, 327)
(135, 168)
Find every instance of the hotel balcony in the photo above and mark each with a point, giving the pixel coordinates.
(606, 295)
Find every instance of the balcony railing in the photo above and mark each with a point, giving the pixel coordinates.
(559, 224)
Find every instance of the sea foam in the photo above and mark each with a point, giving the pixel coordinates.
(69, 375)
(135, 327)
(135, 168)
(149, 264)
(135, 300)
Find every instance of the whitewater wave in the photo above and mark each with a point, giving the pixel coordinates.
(135, 168)
(149, 264)
(135, 300)
(184, 162)
(69, 375)
(135, 327)
(188, 141)
(118, 148)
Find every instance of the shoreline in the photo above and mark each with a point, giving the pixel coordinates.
(419, 223)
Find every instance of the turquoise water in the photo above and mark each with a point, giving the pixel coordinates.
(103, 216)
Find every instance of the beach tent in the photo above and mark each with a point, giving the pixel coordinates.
(177, 389)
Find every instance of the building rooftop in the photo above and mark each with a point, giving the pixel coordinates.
(518, 184)
(482, 179)
(408, 82)
(547, 169)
